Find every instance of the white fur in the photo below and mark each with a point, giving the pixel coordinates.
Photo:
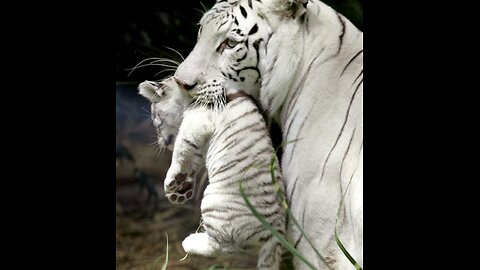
(233, 134)
(306, 58)
(236, 152)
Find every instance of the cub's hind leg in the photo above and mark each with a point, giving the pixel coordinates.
(270, 255)
(200, 244)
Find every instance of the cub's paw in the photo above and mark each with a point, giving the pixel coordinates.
(174, 181)
(184, 191)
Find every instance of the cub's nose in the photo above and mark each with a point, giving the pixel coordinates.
(169, 140)
(185, 85)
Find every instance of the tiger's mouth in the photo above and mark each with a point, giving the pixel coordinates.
(209, 94)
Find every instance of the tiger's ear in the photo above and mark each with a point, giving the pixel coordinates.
(151, 90)
(297, 7)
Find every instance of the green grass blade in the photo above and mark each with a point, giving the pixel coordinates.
(275, 233)
(339, 243)
(307, 238)
(347, 254)
(285, 204)
(154, 266)
(164, 267)
(215, 267)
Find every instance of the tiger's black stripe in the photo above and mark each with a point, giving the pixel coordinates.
(245, 179)
(256, 45)
(341, 130)
(227, 209)
(263, 204)
(240, 213)
(303, 226)
(190, 143)
(287, 130)
(243, 11)
(342, 33)
(228, 166)
(261, 230)
(232, 133)
(250, 195)
(351, 60)
(293, 190)
(250, 128)
(361, 72)
(226, 146)
(252, 31)
(247, 68)
(253, 111)
(222, 24)
(242, 58)
(296, 95)
(299, 89)
(237, 142)
(272, 253)
(214, 232)
(346, 153)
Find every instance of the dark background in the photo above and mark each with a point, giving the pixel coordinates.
(145, 27)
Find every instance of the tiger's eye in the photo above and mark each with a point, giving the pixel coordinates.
(231, 43)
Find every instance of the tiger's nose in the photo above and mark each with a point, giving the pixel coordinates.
(184, 84)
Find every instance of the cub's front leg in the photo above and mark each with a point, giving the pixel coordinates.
(183, 188)
(195, 130)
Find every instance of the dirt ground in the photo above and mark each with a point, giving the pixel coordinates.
(142, 240)
(142, 230)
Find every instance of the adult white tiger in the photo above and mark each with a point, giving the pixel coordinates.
(304, 62)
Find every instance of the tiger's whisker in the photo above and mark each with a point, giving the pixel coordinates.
(176, 52)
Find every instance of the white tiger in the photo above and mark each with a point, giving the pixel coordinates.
(234, 141)
(304, 62)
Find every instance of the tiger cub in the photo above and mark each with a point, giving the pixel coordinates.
(234, 141)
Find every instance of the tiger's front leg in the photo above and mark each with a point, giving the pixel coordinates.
(194, 132)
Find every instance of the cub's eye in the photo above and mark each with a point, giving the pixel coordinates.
(231, 43)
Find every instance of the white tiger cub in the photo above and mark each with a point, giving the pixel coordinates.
(235, 143)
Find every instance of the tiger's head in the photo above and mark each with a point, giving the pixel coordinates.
(231, 44)
(167, 106)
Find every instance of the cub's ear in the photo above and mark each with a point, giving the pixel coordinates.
(151, 90)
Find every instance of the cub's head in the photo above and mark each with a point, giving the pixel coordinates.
(232, 38)
(168, 103)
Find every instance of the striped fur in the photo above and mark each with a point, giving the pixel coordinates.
(303, 62)
(167, 107)
(236, 147)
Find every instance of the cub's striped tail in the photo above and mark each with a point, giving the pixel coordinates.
(270, 255)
